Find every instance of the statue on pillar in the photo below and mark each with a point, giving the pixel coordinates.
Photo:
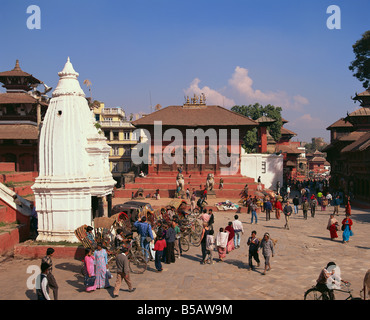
(210, 181)
(180, 183)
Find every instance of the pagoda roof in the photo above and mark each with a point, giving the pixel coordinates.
(197, 116)
(288, 149)
(366, 93)
(359, 145)
(265, 120)
(364, 111)
(285, 131)
(318, 159)
(18, 98)
(18, 72)
(317, 152)
(341, 123)
(352, 136)
(19, 131)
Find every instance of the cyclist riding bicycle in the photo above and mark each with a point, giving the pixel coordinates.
(329, 279)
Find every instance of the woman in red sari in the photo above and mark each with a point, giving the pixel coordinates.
(332, 227)
(348, 208)
(230, 241)
(278, 208)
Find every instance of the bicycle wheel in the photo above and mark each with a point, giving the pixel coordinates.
(197, 227)
(138, 263)
(184, 244)
(315, 294)
(196, 212)
(141, 251)
(195, 239)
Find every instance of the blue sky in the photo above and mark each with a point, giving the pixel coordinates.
(147, 52)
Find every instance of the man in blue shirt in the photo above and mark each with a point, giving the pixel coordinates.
(144, 229)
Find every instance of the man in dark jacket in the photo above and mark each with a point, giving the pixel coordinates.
(287, 212)
(268, 208)
(170, 240)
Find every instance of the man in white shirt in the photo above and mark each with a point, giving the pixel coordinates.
(330, 198)
(238, 229)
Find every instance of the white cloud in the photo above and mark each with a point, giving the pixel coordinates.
(243, 84)
(240, 86)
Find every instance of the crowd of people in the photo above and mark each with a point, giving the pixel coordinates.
(163, 246)
(310, 196)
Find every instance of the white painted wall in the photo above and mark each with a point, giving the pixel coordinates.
(252, 166)
(74, 163)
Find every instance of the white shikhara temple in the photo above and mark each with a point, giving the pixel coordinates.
(74, 165)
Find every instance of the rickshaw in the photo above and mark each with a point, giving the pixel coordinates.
(189, 225)
(177, 207)
(127, 213)
(105, 232)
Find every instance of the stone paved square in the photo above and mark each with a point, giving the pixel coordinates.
(301, 253)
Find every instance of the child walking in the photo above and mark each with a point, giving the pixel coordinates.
(159, 247)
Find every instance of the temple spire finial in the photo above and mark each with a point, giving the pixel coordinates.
(17, 67)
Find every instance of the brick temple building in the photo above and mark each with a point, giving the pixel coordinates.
(349, 150)
(204, 153)
(22, 109)
(295, 162)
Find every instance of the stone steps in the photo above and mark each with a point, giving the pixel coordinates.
(166, 184)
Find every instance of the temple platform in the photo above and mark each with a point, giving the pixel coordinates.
(166, 184)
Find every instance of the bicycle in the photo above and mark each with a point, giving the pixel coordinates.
(137, 259)
(185, 246)
(193, 230)
(315, 294)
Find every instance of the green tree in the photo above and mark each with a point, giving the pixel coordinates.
(254, 112)
(361, 65)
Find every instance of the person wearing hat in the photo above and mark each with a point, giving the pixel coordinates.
(267, 250)
(123, 272)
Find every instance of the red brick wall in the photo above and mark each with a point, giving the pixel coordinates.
(9, 239)
(37, 251)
